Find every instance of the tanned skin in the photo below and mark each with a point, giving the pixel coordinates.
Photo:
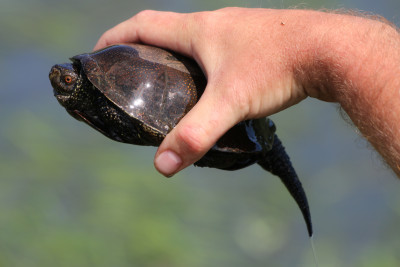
(260, 61)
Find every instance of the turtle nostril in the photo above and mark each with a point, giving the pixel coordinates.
(54, 76)
(54, 72)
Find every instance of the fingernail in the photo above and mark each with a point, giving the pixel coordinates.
(168, 163)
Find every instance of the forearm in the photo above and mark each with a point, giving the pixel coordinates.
(373, 99)
(358, 66)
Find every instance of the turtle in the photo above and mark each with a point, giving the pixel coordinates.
(136, 94)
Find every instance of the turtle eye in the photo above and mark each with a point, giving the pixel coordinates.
(68, 79)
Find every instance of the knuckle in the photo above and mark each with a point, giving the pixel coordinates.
(144, 14)
(205, 23)
(199, 18)
(191, 138)
(195, 25)
(103, 40)
(106, 38)
(239, 102)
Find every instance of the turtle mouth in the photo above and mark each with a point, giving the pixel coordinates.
(60, 97)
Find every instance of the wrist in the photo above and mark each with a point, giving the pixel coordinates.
(348, 56)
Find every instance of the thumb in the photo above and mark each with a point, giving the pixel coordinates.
(196, 133)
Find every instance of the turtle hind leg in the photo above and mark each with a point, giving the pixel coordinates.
(278, 163)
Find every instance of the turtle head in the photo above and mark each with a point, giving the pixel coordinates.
(65, 79)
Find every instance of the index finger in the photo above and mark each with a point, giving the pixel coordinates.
(163, 29)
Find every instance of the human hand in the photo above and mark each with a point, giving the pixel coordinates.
(248, 76)
(256, 61)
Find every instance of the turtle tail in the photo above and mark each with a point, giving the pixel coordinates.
(278, 163)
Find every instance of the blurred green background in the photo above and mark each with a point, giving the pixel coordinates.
(71, 197)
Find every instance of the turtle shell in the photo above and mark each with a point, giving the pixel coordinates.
(150, 84)
(157, 88)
